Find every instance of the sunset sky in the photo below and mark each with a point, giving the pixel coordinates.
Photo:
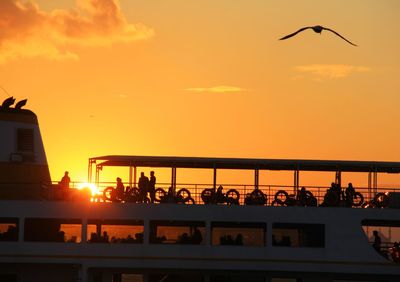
(205, 78)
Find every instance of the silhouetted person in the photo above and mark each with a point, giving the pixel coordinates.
(197, 238)
(65, 180)
(377, 241)
(239, 239)
(105, 237)
(349, 192)
(220, 197)
(93, 237)
(143, 184)
(184, 239)
(303, 196)
(120, 187)
(152, 186)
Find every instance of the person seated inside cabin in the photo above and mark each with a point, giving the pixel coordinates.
(65, 180)
(183, 239)
(139, 237)
(239, 239)
(226, 240)
(197, 238)
(105, 237)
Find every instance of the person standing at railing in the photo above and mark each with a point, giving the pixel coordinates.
(65, 180)
(152, 186)
(143, 186)
(349, 193)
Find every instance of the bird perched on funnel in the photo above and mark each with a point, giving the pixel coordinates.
(20, 104)
(8, 102)
(317, 29)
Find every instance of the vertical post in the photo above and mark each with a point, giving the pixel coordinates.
(173, 180)
(84, 231)
(375, 177)
(370, 185)
(130, 174)
(215, 177)
(338, 178)
(21, 229)
(208, 233)
(97, 180)
(296, 181)
(134, 176)
(256, 178)
(146, 232)
(90, 171)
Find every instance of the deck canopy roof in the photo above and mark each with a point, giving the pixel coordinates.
(243, 163)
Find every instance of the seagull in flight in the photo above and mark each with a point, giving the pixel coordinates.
(317, 29)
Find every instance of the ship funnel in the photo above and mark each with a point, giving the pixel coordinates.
(23, 165)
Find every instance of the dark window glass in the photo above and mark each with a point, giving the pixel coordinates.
(52, 230)
(238, 233)
(298, 235)
(115, 231)
(177, 232)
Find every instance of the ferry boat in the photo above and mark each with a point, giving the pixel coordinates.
(194, 232)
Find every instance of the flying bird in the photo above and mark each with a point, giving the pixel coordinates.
(317, 29)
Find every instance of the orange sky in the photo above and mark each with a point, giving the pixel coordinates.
(205, 78)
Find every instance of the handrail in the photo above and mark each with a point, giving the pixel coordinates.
(244, 189)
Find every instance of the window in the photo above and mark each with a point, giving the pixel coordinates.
(298, 235)
(238, 233)
(25, 140)
(8, 229)
(115, 231)
(384, 237)
(177, 232)
(53, 230)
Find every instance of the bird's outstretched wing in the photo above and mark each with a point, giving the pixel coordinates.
(331, 30)
(294, 33)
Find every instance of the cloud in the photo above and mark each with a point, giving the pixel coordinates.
(331, 71)
(216, 89)
(28, 31)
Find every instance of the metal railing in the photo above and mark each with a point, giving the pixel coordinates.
(245, 189)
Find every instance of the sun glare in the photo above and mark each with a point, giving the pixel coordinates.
(93, 188)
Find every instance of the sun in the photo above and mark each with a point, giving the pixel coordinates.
(93, 188)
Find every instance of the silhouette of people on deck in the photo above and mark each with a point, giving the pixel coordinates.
(349, 193)
(120, 186)
(65, 180)
(377, 241)
(143, 186)
(152, 186)
(303, 195)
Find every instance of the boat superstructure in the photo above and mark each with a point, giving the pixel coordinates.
(48, 235)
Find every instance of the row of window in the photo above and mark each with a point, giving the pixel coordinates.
(164, 232)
